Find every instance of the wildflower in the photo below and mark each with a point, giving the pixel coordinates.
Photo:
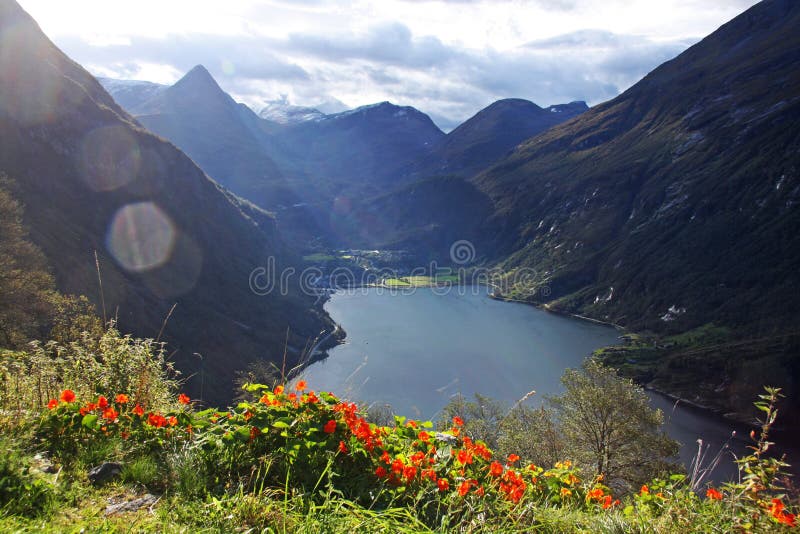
(644, 490)
(380, 472)
(458, 421)
(124, 435)
(496, 469)
(424, 436)
(172, 420)
(247, 415)
(67, 395)
(278, 390)
(412, 424)
(254, 432)
(330, 427)
(110, 414)
(464, 457)
(463, 489)
(121, 399)
(184, 399)
(301, 385)
(265, 399)
(102, 402)
(595, 494)
(443, 484)
(480, 491)
(776, 510)
(342, 447)
(52, 404)
(566, 492)
(156, 420)
(138, 410)
(385, 458)
(409, 473)
(512, 458)
(397, 466)
(607, 502)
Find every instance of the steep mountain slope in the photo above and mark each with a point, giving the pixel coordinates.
(673, 206)
(490, 134)
(92, 180)
(225, 138)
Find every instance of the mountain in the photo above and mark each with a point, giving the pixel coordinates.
(130, 94)
(225, 138)
(361, 151)
(91, 179)
(490, 134)
(282, 112)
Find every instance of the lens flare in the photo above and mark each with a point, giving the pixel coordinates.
(110, 158)
(141, 237)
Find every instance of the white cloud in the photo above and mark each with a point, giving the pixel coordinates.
(448, 58)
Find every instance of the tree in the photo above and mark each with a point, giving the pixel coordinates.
(531, 433)
(481, 418)
(608, 424)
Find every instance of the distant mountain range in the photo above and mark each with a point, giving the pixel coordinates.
(92, 179)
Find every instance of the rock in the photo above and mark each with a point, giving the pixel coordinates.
(145, 501)
(105, 472)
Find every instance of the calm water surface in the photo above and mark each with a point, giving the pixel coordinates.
(415, 351)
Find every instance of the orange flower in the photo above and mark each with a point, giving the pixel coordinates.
(607, 502)
(776, 510)
(496, 469)
(595, 494)
(458, 421)
(102, 402)
(443, 484)
(330, 427)
(566, 492)
(184, 399)
(254, 433)
(464, 457)
(644, 490)
(278, 390)
(172, 420)
(512, 458)
(424, 436)
(52, 404)
(138, 410)
(463, 489)
(67, 395)
(301, 385)
(110, 414)
(342, 447)
(121, 399)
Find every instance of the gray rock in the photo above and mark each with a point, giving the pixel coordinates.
(105, 472)
(145, 501)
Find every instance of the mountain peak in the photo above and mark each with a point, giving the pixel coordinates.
(197, 76)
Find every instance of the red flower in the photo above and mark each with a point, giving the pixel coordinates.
(644, 490)
(380, 472)
(424, 436)
(121, 399)
(496, 469)
(138, 410)
(443, 484)
(342, 447)
(278, 390)
(254, 432)
(102, 402)
(409, 473)
(463, 489)
(156, 420)
(330, 427)
(464, 457)
(512, 458)
(712, 493)
(458, 421)
(301, 385)
(52, 404)
(110, 414)
(595, 494)
(607, 502)
(67, 395)
(172, 420)
(184, 399)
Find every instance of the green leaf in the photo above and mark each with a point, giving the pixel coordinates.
(90, 421)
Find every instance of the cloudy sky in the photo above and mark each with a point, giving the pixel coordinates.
(449, 58)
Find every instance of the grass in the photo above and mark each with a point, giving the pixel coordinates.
(421, 281)
(318, 257)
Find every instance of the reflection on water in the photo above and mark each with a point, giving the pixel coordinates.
(414, 352)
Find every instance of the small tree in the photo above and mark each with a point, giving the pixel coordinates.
(531, 433)
(608, 424)
(481, 418)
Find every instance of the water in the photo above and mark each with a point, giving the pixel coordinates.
(416, 351)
